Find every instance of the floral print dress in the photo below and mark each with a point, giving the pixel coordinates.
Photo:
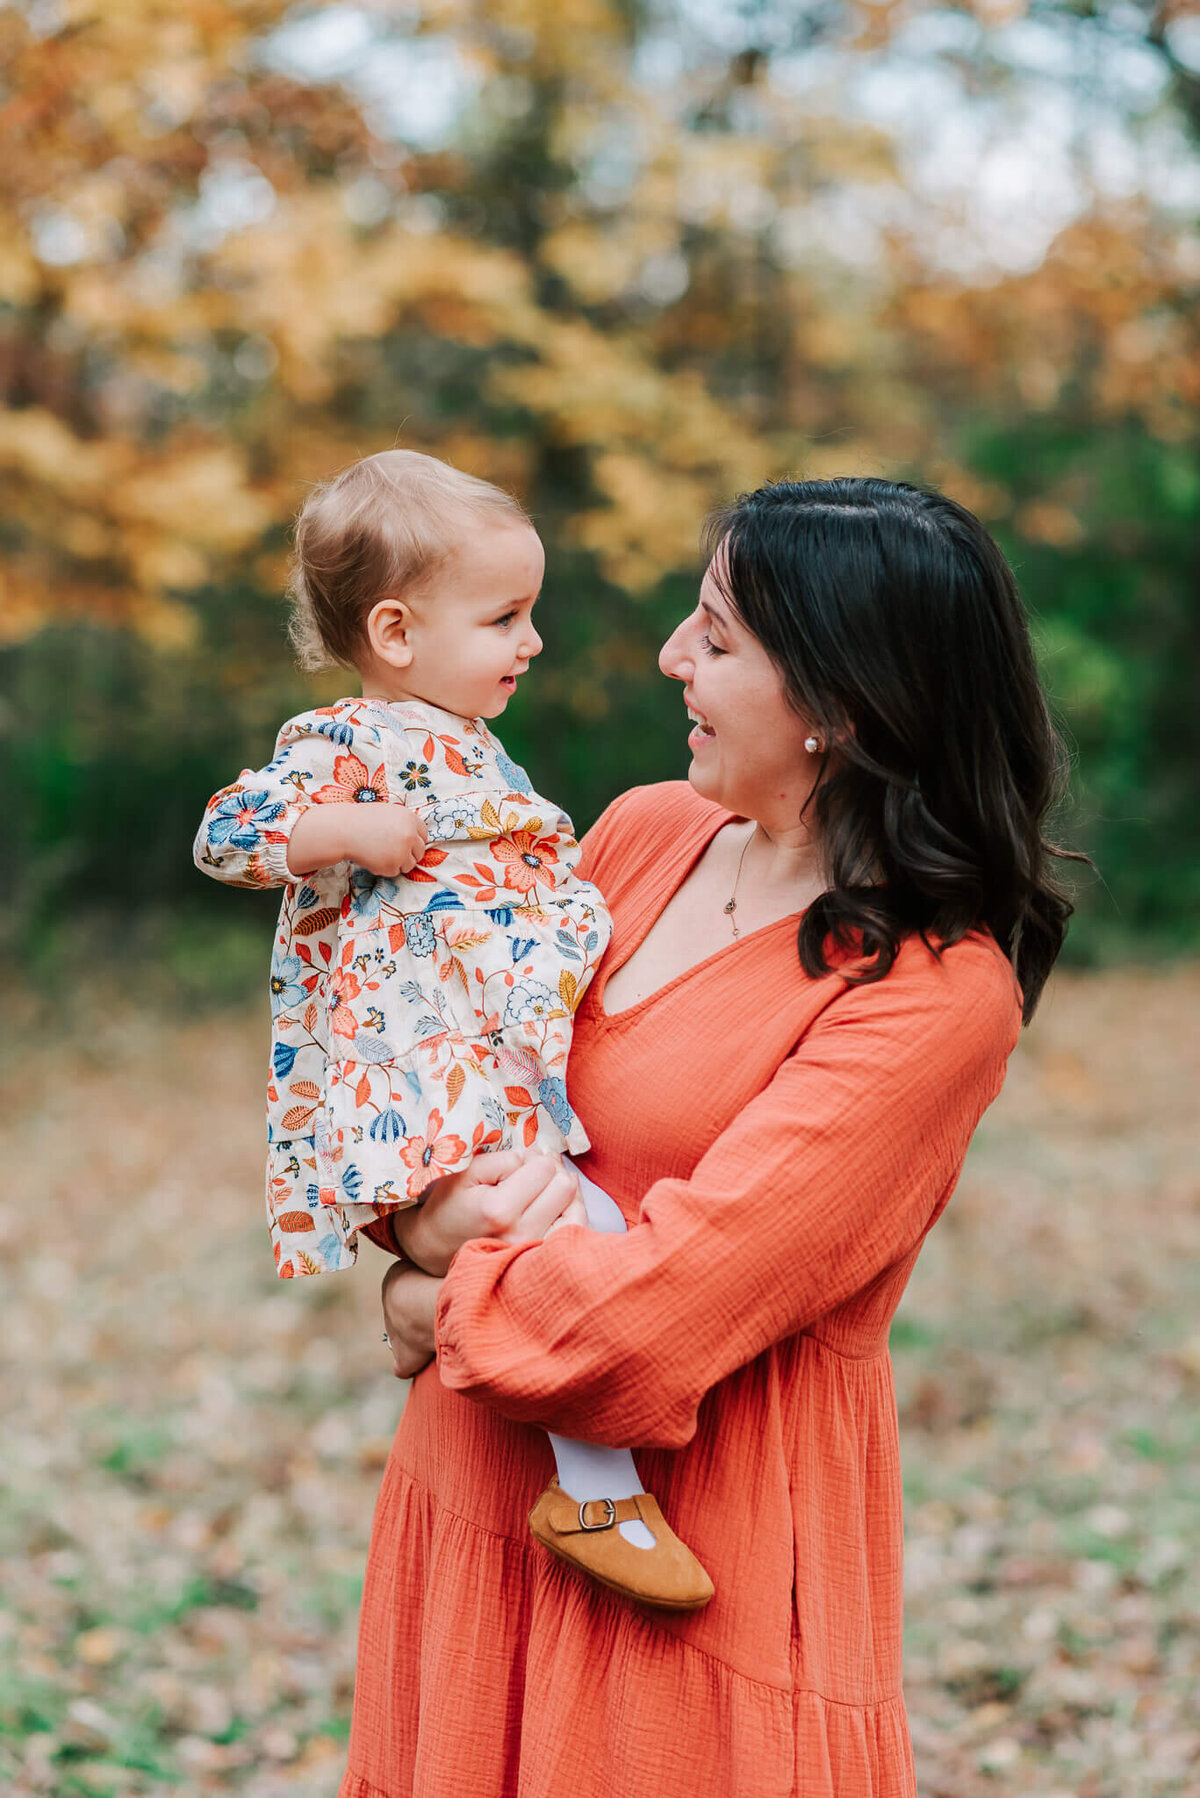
(415, 1021)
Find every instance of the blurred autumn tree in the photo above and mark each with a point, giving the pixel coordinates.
(625, 257)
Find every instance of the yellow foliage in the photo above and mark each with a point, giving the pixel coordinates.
(200, 494)
(36, 444)
(1045, 522)
(181, 380)
(651, 523)
(18, 270)
(597, 265)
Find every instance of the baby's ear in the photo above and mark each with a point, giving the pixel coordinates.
(389, 630)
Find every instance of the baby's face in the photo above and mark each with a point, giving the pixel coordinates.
(470, 630)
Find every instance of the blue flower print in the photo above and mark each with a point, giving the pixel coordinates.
(518, 780)
(333, 1253)
(287, 983)
(494, 1115)
(238, 820)
(452, 818)
(388, 1126)
(529, 1001)
(553, 1094)
(364, 895)
(338, 732)
(419, 933)
(414, 775)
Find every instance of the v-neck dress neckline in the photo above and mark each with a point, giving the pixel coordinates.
(649, 917)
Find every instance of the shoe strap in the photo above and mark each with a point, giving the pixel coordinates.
(566, 1517)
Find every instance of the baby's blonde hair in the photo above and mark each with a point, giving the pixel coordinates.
(377, 530)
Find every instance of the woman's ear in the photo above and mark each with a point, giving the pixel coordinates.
(389, 632)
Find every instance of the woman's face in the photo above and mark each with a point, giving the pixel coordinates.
(747, 743)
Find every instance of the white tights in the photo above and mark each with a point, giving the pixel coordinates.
(585, 1469)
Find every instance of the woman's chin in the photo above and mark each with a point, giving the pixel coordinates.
(704, 779)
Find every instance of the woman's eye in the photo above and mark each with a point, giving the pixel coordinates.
(709, 647)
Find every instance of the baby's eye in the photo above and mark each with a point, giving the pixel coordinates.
(709, 647)
(506, 620)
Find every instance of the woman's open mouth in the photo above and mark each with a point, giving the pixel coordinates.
(703, 731)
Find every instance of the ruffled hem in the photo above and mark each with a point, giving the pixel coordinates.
(427, 1126)
(485, 1666)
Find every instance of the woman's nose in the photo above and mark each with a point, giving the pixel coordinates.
(673, 659)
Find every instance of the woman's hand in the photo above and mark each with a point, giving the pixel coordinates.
(409, 1303)
(507, 1195)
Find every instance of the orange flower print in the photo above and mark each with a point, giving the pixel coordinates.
(352, 784)
(526, 854)
(430, 1156)
(343, 987)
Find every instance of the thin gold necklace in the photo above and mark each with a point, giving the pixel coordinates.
(730, 905)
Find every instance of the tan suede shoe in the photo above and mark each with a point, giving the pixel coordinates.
(587, 1536)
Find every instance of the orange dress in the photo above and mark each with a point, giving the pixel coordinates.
(779, 1146)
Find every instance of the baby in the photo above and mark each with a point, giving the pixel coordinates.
(434, 939)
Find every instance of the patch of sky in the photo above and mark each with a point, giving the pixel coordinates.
(415, 87)
(664, 278)
(59, 239)
(1170, 169)
(1076, 111)
(659, 61)
(761, 24)
(233, 194)
(1183, 41)
(323, 46)
(845, 225)
(1092, 56)
(610, 165)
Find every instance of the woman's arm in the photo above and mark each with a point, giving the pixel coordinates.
(832, 1174)
(409, 1300)
(508, 1196)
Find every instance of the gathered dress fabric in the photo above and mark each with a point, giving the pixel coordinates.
(779, 1146)
(420, 1020)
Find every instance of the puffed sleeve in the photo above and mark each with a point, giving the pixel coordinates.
(606, 836)
(321, 757)
(828, 1177)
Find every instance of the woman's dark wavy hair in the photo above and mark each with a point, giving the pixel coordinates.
(897, 626)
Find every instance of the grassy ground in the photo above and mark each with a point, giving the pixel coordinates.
(191, 1448)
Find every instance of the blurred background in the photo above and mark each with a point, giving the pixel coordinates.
(626, 258)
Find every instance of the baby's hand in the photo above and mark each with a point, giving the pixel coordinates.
(384, 839)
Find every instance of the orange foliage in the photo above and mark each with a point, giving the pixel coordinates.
(214, 273)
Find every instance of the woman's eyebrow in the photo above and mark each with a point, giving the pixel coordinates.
(717, 617)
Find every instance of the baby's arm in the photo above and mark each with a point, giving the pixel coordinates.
(325, 768)
(385, 839)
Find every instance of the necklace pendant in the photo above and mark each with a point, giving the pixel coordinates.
(730, 905)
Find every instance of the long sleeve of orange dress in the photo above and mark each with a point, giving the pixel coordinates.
(779, 1146)
(833, 1173)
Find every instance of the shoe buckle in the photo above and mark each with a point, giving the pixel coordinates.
(610, 1516)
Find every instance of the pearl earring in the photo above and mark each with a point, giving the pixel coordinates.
(812, 744)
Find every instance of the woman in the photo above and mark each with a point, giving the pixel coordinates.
(824, 943)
